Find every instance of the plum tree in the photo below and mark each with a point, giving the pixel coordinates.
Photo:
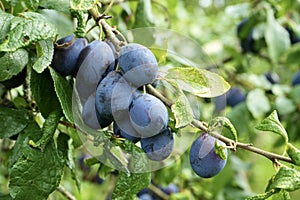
(138, 64)
(296, 79)
(203, 158)
(148, 115)
(160, 146)
(95, 61)
(66, 54)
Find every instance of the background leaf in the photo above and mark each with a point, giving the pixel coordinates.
(275, 32)
(12, 63)
(13, 121)
(272, 123)
(257, 103)
(45, 50)
(64, 93)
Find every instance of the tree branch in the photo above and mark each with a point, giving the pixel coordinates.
(66, 193)
(109, 31)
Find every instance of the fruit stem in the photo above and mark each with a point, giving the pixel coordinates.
(66, 193)
(202, 126)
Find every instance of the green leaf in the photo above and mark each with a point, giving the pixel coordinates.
(49, 128)
(292, 55)
(293, 153)
(220, 122)
(263, 196)
(64, 93)
(129, 185)
(42, 88)
(257, 103)
(82, 4)
(12, 121)
(143, 15)
(59, 5)
(272, 123)
(285, 105)
(182, 111)
(5, 197)
(5, 22)
(35, 174)
(12, 63)
(45, 50)
(219, 149)
(25, 30)
(287, 179)
(200, 82)
(71, 163)
(277, 38)
(22, 6)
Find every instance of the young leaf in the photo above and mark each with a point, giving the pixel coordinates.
(35, 174)
(219, 149)
(182, 111)
(12, 121)
(286, 178)
(277, 38)
(263, 196)
(257, 103)
(272, 123)
(45, 50)
(64, 93)
(26, 30)
(82, 4)
(49, 128)
(12, 63)
(200, 82)
(220, 122)
(42, 88)
(129, 185)
(293, 153)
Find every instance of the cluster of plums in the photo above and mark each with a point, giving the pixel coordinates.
(108, 85)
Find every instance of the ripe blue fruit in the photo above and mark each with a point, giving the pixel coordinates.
(296, 79)
(160, 146)
(66, 54)
(293, 36)
(148, 115)
(272, 77)
(94, 63)
(235, 96)
(113, 96)
(124, 134)
(89, 113)
(16, 80)
(247, 41)
(138, 64)
(203, 158)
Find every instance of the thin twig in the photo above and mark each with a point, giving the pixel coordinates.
(66, 193)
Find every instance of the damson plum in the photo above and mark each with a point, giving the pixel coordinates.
(16, 80)
(122, 133)
(235, 96)
(66, 54)
(160, 146)
(148, 115)
(113, 95)
(138, 64)
(89, 113)
(203, 158)
(94, 63)
(296, 79)
(272, 77)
